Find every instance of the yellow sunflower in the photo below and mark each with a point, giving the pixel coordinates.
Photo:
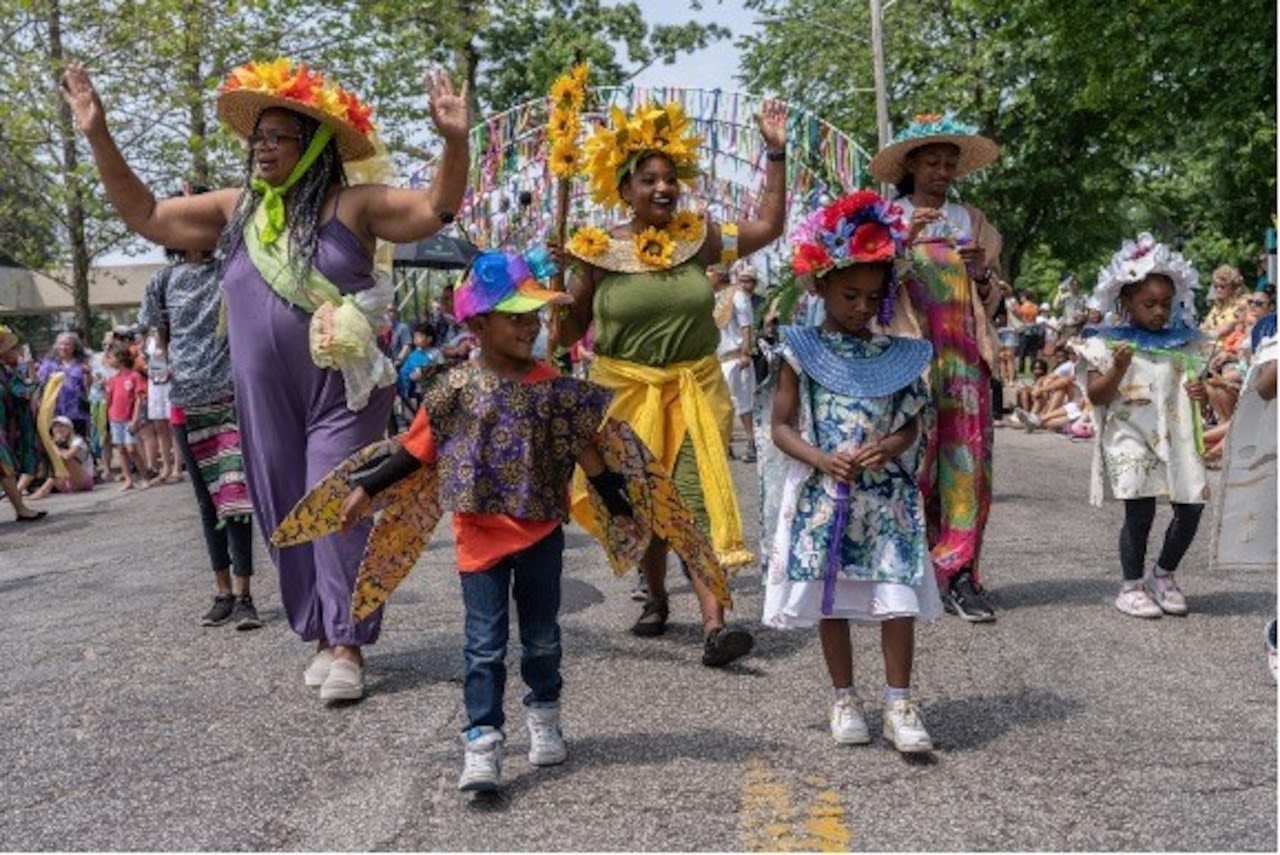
(564, 125)
(654, 248)
(685, 226)
(567, 92)
(588, 242)
(564, 159)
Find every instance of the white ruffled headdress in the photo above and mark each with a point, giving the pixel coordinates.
(1138, 259)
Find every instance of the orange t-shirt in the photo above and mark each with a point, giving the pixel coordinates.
(1028, 311)
(483, 539)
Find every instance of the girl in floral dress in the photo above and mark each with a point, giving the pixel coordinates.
(1143, 382)
(849, 542)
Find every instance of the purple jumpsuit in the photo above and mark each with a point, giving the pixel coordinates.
(295, 427)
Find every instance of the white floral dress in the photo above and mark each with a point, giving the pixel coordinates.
(885, 570)
(1145, 445)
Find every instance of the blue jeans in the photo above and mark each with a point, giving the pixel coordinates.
(532, 576)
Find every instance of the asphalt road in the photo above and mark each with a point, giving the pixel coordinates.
(1065, 725)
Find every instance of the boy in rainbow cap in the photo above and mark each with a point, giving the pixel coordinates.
(496, 441)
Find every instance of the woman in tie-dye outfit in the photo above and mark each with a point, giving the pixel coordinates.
(952, 295)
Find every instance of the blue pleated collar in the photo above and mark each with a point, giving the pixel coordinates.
(1170, 338)
(873, 369)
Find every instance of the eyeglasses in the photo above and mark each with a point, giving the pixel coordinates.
(270, 139)
(1257, 302)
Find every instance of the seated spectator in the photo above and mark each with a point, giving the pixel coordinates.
(74, 451)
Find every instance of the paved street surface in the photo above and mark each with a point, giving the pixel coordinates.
(1065, 725)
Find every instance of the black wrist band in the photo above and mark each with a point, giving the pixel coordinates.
(446, 217)
(776, 154)
(383, 473)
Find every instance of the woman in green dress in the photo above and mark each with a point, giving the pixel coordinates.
(643, 284)
(17, 426)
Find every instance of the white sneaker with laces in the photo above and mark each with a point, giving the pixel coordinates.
(482, 760)
(904, 727)
(848, 727)
(1137, 603)
(1166, 594)
(317, 669)
(546, 741)
(345, 682)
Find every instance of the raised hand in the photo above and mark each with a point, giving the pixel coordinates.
(449, 112)
(773, 124)
(86, 107)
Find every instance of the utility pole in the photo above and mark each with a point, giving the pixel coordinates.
(882, 93)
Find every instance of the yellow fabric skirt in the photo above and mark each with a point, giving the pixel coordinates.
(663, 406)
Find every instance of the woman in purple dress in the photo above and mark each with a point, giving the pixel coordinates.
(68, 356)
(297, 248)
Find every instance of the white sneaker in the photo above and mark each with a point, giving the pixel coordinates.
(1137, 603)
(904, 727)
(482, 760)
(318, 669)
(546, 742)
(1164, 591)
(848, 727)
(345, 682)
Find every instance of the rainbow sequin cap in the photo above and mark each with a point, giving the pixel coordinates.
(507, 282)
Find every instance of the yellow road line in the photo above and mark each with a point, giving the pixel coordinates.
(771, 822)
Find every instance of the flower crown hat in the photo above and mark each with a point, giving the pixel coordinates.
(890, 163)
(1138, 259)
(861, 228)
(507, 282)
(256, 86)
(613, 151)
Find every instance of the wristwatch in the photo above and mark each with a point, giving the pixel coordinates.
(775, 154)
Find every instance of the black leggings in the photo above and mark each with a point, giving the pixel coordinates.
(230, 546)
(1139, 514)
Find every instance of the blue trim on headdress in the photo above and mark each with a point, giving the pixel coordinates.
(1169, 338)
(878, 374)
(947, 124)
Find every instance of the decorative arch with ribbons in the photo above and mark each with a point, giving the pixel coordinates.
(509, 160)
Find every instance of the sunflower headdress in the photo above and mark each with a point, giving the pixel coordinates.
(614, 150)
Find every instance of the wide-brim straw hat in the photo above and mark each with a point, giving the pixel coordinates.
(976, 151)
(257, 86)
(8, 339)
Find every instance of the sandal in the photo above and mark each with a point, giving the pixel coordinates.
(723, 645)
(38, 515)
(646, 628)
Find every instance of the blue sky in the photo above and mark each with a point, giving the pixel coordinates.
(709, 68)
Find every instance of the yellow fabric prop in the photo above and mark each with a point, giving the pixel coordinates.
(662, 405)
(44, 420)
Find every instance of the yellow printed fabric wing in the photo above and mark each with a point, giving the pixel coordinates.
(397, 540)
(44, 420)
(658, 512)
(317, 513)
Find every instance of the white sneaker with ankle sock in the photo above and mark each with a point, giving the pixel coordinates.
(904, 727)
(345, 682)
(482, 760)
(1166, 594)
(318, 669)
(546, 740)
(848, 727)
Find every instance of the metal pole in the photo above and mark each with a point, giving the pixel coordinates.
(882, 94)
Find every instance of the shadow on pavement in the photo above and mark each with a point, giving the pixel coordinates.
(1233, 603)
(1054, 592)
(392, 673)
(960, 724)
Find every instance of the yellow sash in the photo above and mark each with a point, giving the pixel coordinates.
(662, 404)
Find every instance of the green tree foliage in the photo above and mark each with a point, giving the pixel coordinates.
(1111, 119)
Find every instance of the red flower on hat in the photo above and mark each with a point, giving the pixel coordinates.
(872, 242)
(810, 258)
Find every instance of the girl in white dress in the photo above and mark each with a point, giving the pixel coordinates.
(1143, 380)
(848, 542)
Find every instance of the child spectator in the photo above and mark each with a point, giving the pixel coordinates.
(418, 364)
(126, 397)
(1146, 399)
(73, 449)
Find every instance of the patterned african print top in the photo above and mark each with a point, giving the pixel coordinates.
(505, 447)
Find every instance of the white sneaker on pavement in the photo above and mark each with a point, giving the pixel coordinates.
(848, 727)
(318, 669)
(345, 682)
(904, 727)
(482, 760)
(1166, 594)
(1137, 603)
(546, 740)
